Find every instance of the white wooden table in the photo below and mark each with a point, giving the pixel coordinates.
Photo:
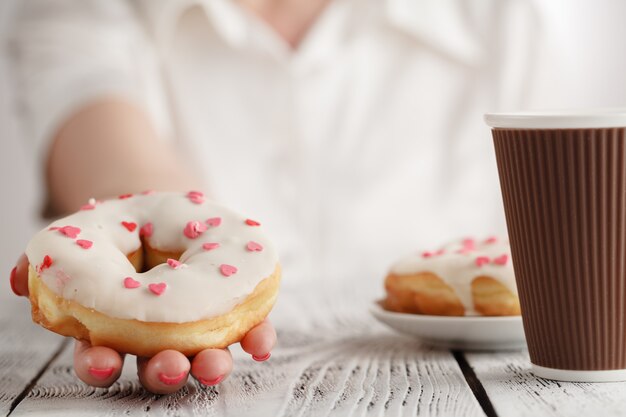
(340, 363)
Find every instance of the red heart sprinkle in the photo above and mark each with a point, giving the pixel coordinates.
(70, 231)
(210, 246)
(146, 230)
(85, 244)
(157, 289)
(482, 260)
(131, 283)
(228, 270)
(501, 260)
(130, 226)
(427, 254)
(251, 222)
(88, 207)
(175, 264)
(254, 247)
(47, 263)
(214, 221)
(194, 229)
(124, 196)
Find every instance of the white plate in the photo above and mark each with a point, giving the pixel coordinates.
(468, 333)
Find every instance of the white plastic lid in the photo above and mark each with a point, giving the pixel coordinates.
(559, 119)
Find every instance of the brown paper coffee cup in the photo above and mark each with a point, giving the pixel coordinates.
(563, 181)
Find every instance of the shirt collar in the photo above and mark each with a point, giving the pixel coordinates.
(443, 25)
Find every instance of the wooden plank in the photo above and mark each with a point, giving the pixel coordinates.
(340, 372)
(515, 392)
(25, 349)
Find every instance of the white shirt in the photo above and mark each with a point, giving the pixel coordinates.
(364, 143)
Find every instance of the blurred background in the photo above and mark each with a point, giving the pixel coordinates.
(19, 216)
(581, 47)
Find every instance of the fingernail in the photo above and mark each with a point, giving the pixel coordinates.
(261, 358)
(172, 380)
(13, 274)
(101, 373)
(211, 381)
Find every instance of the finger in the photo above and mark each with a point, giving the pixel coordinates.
(164, 373)
(259, 341)
(212, 366)
(98, 366)
(19, 277)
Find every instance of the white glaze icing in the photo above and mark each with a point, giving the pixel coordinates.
(94, 277)
(458, 268)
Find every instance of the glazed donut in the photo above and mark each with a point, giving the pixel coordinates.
(469, 277)
(153, 271)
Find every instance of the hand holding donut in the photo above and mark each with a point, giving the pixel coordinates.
(157, 285)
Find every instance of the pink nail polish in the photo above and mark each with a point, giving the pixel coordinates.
(12, 279)
(172, 380)
(211, 381)
(261, 358)
(101, 373)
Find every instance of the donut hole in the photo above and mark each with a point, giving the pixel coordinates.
(146, 257)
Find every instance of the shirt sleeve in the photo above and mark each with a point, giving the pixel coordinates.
(63, 54)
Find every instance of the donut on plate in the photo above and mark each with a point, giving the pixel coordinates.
(153, 271)
(469, 277)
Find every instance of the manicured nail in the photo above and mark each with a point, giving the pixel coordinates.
(211, 381)
(261, 358)
(172, 380)
(13, 274)
(101, 373)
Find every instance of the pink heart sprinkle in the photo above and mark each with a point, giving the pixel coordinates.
(175, 264)
(131, 283)
(85, 244)
(469, 243)
(146, 230)
(157, 289)
(251, 222)
(196, 196)
(70, 231)
(194, 229)
(491, 239)
(210, 246)
(228, 270)
(427, 254)
(214, 221)
(88, 207)
(124, 196)
(501, 260)
(482, 260)
(440, 252)
(196, 199)
(130, 226)
(148, 192)
(254, 247)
